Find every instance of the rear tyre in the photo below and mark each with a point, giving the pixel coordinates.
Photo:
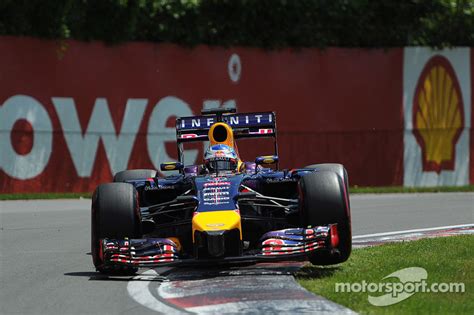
(134, 174)
(115, 214)
(324, 201)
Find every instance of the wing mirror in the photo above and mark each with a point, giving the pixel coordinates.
(171, 166)
(266, 159)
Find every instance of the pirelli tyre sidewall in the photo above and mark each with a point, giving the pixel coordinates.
(324, 200)
(134, 174)
(115, 213)
(339, 169)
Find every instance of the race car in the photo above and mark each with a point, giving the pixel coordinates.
(225, 210)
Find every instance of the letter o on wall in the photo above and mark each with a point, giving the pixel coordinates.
(33, 163)
(158, 134)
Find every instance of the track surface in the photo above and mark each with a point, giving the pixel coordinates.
(44, 246)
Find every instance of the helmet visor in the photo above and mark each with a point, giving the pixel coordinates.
(222, 165)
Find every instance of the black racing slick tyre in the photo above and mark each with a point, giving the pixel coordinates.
(333, 167)
(324, 200)
(134, 174)
(115, 214)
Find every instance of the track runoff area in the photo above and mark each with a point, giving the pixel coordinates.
(46, 265)
(258, 288)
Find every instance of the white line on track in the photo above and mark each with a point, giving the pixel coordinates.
(139, 290)
(413, 231)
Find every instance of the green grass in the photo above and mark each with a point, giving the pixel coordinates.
(353, 190)
(27, 196)
(400, 189)
(446, 259)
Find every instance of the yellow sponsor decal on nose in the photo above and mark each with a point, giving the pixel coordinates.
(217, 221)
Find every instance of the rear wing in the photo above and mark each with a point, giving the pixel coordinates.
(244, 125)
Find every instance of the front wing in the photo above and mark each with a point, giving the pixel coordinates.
(287, 244)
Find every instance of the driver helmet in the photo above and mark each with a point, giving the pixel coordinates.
(221, 157)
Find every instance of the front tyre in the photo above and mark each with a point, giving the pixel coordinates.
(339, 169)
(115, 214)
(324, 201)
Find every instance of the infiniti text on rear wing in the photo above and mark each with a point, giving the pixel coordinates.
(244, 125)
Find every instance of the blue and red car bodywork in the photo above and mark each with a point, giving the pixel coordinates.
(199, 217)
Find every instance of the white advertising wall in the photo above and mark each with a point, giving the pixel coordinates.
(437, 115)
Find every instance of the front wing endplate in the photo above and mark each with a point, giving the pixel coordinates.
(287, 244)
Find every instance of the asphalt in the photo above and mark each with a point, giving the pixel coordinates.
(375, 213)
(46, 268)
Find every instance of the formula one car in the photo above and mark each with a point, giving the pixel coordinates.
(225, 210)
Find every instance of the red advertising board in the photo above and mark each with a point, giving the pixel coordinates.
(73, 113)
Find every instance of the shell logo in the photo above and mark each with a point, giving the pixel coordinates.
(438, 114)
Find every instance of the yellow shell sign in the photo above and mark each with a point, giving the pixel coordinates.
(438, 114)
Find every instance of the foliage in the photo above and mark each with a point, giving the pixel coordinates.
(257, 23)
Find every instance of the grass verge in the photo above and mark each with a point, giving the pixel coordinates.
(400, 189)
(353, 190)
(44, 196)
(446, 260)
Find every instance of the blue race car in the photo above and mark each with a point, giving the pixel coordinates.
(224, 210)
